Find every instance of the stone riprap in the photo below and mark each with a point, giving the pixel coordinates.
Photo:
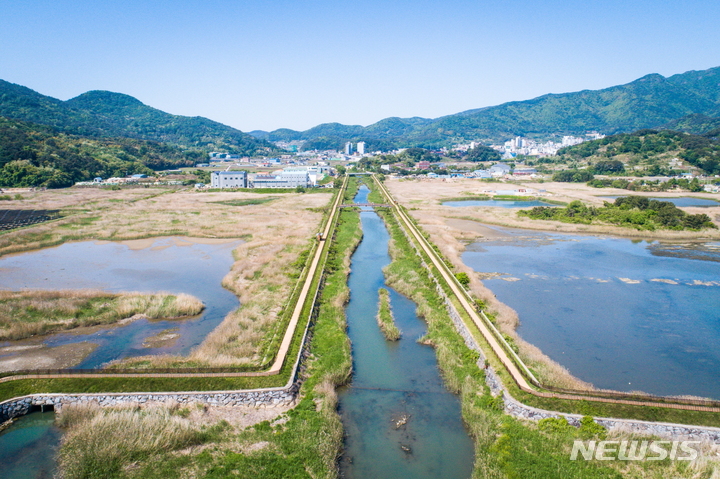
(256, 398)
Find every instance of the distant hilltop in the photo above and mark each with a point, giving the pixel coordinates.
(104, 114)
(649, 102)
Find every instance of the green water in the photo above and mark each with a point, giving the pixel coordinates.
(395, 380)
(28, 447)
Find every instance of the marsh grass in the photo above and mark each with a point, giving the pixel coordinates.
(385, 318)
(34, 312)
(247, 201)
(101, 443)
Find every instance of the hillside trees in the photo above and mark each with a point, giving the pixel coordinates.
(37, 156)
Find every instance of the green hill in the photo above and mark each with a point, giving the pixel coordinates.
(36, 155)
(111, 115)
(649, 102)
(654, 152)
(696, 124)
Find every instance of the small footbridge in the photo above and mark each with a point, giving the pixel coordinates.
(353, 205)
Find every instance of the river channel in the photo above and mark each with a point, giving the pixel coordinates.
(394, 382)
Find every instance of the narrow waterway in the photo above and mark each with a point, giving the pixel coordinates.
(399, 418)
(28, 447)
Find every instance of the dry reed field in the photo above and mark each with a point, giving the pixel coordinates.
(35, 312)
(451, 229)
(263, 276)
(122, 441)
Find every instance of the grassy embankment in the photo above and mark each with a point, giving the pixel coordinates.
(505, 446)
(28, 313)
(385, 317)
(165, 442)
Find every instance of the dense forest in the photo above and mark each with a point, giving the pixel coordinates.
(39, 156)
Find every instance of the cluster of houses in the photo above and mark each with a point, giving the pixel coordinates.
(129, 180)
(498, 170)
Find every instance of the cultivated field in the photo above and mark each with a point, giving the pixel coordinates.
(276, 228)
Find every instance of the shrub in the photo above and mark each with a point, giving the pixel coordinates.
(463, 278)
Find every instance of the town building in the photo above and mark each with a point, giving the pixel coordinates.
(228, 179)
(499, 170)
(361, 147)
(286, 179)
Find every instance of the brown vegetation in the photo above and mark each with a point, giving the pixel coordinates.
(34, 312)
(263, 276)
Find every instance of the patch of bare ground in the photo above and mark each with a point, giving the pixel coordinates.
(162, 339)
(42, 357)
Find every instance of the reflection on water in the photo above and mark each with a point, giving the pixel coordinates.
(498, 203)
(28, 447)
(393, 382)
(174, 265)
(618, 313)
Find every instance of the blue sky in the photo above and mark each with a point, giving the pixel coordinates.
(267, 64)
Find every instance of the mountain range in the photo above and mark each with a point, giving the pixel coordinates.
(103, 114)
(649, 102)
(688, 102)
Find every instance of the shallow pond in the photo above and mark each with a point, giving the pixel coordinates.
(498, 203)
(395, 380)
(28, 447)
(175, 265)
(682, 201)
(619, 313)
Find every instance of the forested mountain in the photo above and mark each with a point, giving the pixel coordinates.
(37, 155)
(649, 102)
(112, 115)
